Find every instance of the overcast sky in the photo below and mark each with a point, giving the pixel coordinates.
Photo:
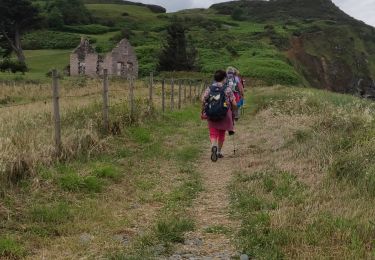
(361, 9)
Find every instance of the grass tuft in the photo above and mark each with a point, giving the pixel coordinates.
(140, 135)
(107, 172)
(172, 230)
(10, 249)
(218, 229)
(76, 183)
(53, 214)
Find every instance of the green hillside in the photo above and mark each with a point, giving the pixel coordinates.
(327, 47)
(293, 42)
(296, 181)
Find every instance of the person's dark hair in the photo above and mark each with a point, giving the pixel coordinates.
(220, 75)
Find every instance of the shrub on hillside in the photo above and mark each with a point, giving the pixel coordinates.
(12, 66)
(87, 29)
(147, 57)
(282, 43)
(72, 11)
(50, 40)
(238, 14)
(273, 76)
(55, 19)
(124, 33)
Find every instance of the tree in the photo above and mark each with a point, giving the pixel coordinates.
(178, 53)
(5, 49)
(55, 19)
(72, 11)
(238, 14)
(17, 17)
(8, 65)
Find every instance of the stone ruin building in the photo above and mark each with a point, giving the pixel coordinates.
(121, 61)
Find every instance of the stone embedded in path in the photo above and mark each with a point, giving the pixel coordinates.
(85, 238)
(244, 257)
(194, 242)
(122, 238)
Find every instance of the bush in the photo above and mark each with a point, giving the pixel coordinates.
(12, 66)
(50, 40)
(18, 67)
(87, 29)
(55, 19)
(147, 57)
(238, 14)
(125, 33)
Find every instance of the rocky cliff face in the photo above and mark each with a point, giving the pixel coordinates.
(328, 48)
(334, 63)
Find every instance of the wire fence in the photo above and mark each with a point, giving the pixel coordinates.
(154, 94)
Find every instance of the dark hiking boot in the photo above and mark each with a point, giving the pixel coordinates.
(220, 156)
(214, 155)
(231, 132)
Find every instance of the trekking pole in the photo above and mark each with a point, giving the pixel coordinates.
(234, 145)
(243, 107)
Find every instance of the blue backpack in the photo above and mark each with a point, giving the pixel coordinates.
(216, 106)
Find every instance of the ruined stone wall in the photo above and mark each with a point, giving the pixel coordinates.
(107, 63)
(74, 65)
(124, 54)
(121, 61)
(91, 61)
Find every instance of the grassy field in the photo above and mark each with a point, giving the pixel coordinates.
(128, 16)
(261, 48)
(128, 202)
(26, 110)
(302, 188)
(305, 189)
(254, 56)
(40, 62)
(302, 185)
(94, 168)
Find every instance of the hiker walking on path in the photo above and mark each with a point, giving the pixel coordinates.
(218, 103)
(234, 82)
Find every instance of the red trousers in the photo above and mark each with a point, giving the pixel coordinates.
(217, 134)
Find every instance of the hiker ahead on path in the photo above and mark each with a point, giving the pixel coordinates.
(235, 83)
(218, 104)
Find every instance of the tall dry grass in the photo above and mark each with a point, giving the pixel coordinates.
(26, 129)
(27, 133)
(309, 192)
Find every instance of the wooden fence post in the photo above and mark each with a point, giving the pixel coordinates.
(179, 94)
(196, 90)
(190, 97)
(105, 102)
(151, 90)
(163, 95)
(172, 94)
(56, 111)
(201, 88)
(184, 91)
(131, 97)
(204, 84)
